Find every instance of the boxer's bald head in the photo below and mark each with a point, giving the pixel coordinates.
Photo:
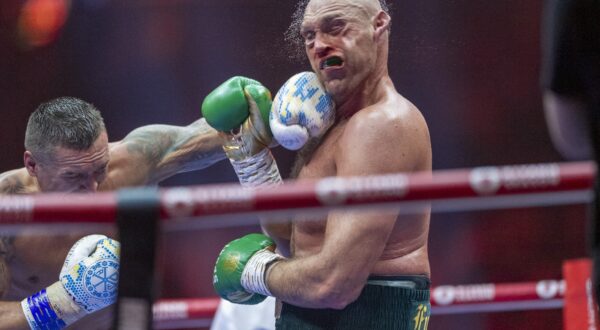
(366, 7)
(293, 38)
(346, 43)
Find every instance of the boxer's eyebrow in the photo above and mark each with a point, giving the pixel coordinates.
(325, 24)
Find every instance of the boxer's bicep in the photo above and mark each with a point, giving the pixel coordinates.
(194, 147)
(152, 153)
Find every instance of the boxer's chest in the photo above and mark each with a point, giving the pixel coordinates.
(308, 231)
(37, 262)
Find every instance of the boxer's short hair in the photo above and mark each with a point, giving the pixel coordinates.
(294, 42)
(63, 122)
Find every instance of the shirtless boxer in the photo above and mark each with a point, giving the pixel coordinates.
(67, 150)
(352, 270)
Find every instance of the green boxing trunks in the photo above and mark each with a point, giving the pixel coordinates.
(386, 302)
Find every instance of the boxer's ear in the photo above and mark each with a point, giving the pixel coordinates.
(30, 163)
(381, 23)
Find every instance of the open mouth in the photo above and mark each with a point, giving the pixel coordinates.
(334, 61)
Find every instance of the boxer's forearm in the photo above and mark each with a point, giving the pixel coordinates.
(11, 316)
(302, 283)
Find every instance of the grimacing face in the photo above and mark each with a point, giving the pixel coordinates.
(340, 43)
(71, 170)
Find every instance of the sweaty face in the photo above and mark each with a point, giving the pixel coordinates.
(71, 170)
(339, 41)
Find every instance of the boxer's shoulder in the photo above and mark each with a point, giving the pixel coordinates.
(392, 116)
(17, 182)
(391, 135)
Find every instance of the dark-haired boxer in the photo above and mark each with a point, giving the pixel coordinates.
(67, 150)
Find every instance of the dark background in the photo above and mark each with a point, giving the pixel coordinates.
(471, 67)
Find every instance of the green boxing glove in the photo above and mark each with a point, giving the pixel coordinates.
(239, 108)
(241, 267)
(226, 108)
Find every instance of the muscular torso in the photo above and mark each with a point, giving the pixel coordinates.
(406, 249)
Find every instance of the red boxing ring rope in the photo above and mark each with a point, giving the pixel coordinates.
(446, 190)
(445, 299)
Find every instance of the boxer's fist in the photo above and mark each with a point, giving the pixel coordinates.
(302, 109)
(92, 280)
(88, 282)
(240, 107)
(239, 274)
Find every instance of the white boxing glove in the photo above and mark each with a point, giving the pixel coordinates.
(88, 282)
(302, 109)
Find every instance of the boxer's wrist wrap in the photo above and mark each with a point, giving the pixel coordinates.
(39, 312)
(51, 309)
(254, 274)
(257, 170)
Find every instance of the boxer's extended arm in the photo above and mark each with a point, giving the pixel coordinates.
(153, 153)
(246, 101)
(372, 143)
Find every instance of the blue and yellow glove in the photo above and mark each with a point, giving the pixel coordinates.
(88, 282)
(301, 110)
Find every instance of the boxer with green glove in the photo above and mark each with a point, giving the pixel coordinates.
(239, 108)
(241, 269)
